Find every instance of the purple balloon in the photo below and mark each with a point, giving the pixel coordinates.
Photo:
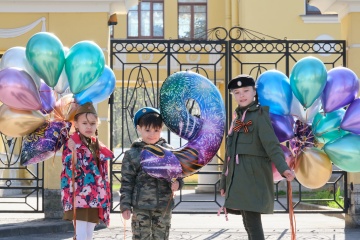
(351, 120)
(44, 142)
(341, 89)
(47, 98)
(283, 126)
(18, 90)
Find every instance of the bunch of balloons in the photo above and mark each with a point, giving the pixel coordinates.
(316, 112)
(33, 83)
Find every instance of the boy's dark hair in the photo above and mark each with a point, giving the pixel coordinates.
(151, 120)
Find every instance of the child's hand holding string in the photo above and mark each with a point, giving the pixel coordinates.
(175, 185)
(289, 175)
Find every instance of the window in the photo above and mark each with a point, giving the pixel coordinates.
(192, 19)
(146, 20)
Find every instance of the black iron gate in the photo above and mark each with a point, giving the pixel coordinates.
(143, 65)
(21, 187)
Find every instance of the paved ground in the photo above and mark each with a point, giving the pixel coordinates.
(186, 226)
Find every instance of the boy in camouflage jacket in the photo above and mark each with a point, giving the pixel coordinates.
(149, 199)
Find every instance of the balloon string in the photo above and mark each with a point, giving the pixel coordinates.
(291, 212)
(168, 204)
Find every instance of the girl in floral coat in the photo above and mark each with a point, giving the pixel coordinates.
(92, 190)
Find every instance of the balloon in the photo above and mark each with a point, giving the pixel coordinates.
(44, 142)
(351, 120)
(203, 133)
(289, 158)
(47, 98)
(341, 89)
(313, 168)
(303, 137)
(327, 127)
(305, 115)
(45, 53)
(18, 123)
(63, 82)
(99, 91)
(308, 80)
(344, 152)
(84, 64)
(65, 108)
(274, 90)
(283, 126)
(18, 90)
(16, 57)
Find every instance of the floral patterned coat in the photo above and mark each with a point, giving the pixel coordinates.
(91, 181)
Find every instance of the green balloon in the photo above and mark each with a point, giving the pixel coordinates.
(84, 64)
(44, 52)
(344, 152)
(307, 80)
(326, 127)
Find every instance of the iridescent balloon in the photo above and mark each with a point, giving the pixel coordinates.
(305, 115)
(100, 90)
(18, 90)
(308, 80)
(313, 168)
(63, 83)
(84, 64)
(351, 120)
(18, 123)
(43, 143)
(326, 126)
(16, 57)
(344, 152)
(283, 126)
(45, 53)
(341, 89)
(290, 160)
(273, 89)
(204, 133)
(47, 98)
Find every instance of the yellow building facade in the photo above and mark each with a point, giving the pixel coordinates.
(74, 21)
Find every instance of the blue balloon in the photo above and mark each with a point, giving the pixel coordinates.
(273, 89)
(100, 90)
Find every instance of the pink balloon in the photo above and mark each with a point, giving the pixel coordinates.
(18, 90)
(47, 98)
(289, 158)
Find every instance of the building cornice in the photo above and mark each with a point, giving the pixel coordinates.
(66, 6)
(341, 7)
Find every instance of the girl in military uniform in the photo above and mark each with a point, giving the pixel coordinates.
(150, 200)
(247, 178)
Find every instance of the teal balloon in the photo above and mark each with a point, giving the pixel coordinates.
(273, 89)
(84, 64)
(344, 152)
(308, 79)
(44, 52)
(326, 127)
(100, 90)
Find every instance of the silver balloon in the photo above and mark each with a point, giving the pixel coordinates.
(305, 115)
(16, 57)
(63, 82)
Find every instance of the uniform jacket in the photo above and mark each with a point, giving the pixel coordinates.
(91, 181)
(140, 190)
(247, 176)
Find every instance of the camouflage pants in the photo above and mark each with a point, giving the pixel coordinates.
(150, 224)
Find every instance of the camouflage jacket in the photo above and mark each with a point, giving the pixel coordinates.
(140, 190)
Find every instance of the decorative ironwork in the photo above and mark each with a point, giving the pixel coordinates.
(237, 33)
(19, 185)
(143, 65)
